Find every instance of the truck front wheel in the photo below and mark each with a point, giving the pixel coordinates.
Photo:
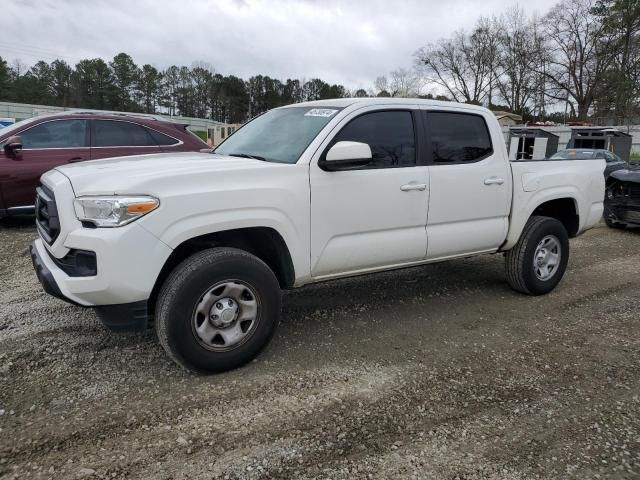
(536, 264)
(217, 310)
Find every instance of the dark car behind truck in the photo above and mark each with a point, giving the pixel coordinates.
(34, 146)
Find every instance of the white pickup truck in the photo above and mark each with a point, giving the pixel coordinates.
(203, 243)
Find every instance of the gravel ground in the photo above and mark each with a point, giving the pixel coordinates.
(434, 372)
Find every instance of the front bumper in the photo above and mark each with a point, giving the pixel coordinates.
(623, 210)
(45, 277)
(121, 317)
(119, 269)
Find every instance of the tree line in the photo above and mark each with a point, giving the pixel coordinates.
(122, 85)
(581, 60)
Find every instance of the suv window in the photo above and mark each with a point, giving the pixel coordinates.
(389, 134)
(56, 134)
(162, 139)
(611, 158)
(458, 137)
(112, 133)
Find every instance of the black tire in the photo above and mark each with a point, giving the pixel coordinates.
(183, 291)
(612, 224)
(521, 273)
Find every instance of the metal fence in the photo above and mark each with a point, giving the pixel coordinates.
(20, 111)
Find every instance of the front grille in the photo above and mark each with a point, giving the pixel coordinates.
(631, 216)
(47, 219)
(634, 190)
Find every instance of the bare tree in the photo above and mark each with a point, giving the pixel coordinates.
(461, 65)
(518, 59)
(18, 68)
(579, 54)
(380, 87)
(404, 83)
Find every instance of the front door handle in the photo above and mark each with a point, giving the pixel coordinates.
(413, 186)
(76, 159)
(493, 181)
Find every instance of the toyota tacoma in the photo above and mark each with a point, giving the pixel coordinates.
(201, 244)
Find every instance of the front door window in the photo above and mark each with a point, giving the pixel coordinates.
(56, 134)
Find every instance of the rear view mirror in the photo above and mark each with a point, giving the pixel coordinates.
(13, 147)
(345, 155)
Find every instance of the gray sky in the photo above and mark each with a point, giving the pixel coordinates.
(347, 42)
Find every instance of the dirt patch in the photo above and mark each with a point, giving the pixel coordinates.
(432, 372)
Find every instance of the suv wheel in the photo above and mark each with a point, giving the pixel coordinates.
(536, 264)
(217, 310)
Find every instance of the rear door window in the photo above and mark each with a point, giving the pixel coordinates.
(56, 134)
(112, 133)
(162, 139)
(457, 137)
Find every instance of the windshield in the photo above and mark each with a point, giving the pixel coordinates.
(280, 135)
(574, 155)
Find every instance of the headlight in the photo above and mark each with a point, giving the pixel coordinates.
(113, 211)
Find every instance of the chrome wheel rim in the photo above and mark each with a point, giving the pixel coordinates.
(226, 315)
(546, 258)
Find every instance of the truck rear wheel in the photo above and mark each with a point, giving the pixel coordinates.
(536, 264)
(217, 310)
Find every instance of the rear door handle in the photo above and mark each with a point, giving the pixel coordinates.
(493, 181)
(413, 186)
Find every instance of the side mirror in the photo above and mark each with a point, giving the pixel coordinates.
(13, 147)
(345, 155)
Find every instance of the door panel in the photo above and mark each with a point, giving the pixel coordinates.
(362, 219)
(21, 177)
(470, 186)
(367, 218)
(465, 215)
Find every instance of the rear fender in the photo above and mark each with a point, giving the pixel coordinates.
(523, 209)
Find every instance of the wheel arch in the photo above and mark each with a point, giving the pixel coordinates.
(263, 242)
(564, 208)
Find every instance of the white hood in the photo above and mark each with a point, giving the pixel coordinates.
(146, 173)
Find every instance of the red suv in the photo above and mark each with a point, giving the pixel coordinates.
(33, 146)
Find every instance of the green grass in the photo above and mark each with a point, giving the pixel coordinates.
(201, 133)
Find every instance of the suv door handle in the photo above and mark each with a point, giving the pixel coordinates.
(493, 181)
(413, 186)
(75, 159)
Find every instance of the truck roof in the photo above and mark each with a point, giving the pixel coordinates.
(346, 102)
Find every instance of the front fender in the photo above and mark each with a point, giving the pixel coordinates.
(186, 227)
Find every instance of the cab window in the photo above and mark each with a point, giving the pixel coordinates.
(389, 134)
(458, 137)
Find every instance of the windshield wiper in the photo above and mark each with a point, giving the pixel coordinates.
(246, 155)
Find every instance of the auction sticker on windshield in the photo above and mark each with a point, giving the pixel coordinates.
(320, 112)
